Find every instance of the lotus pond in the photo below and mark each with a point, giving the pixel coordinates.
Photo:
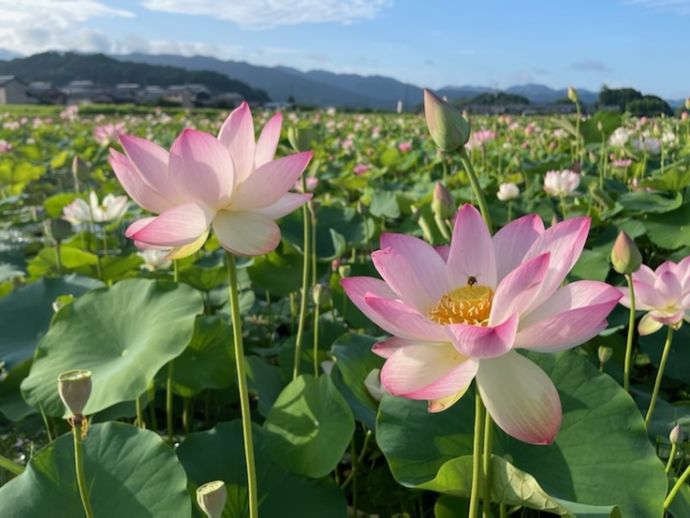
(324, 314)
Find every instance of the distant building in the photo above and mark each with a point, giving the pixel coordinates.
(14, 91)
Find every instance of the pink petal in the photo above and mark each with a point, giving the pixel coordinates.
(513, 241)
(285, 205)
(668, 318)
(648, 325)
(574, 314)
(413, 269)
(520, 397)
(133, 183)
(668, 286)
(398, 319)
(519, 288)
(427, 371)
(485, 341)
(267, 184)
(565, 242)
(268, 141)
(237, 135)
(471, 250)
(151, 161)
(246, 233)
(175, 227)
(647, 297)
(443, 251)
(202, 167)
(645, 274)
(356, 288)
(387, 347)
(137, 225)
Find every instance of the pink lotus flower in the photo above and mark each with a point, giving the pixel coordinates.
(663, 293)
(460, 313)
(360, 169)
(480, 138)
(230, 183)
(561, 183)
(405, 147)
(5, 147)
(108, 133)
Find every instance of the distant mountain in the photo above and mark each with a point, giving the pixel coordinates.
(538, 94)
(61, 68)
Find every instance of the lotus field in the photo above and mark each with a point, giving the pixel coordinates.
(321, 314)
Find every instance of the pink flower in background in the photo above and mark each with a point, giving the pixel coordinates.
(508, 191)
(684, 116)
(405, 147)
(5, 147)
(459, 314)
(71, 113)
(231, 184)
(622, 163)
(311, 181)
(561, 183)
(361, 169)
(108, 133)
(346, 144)
(480, 138)
(663, 293)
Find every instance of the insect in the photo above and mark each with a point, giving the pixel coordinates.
(471, 280)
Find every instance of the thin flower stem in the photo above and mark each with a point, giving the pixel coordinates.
(486, 463)
(242, 384)
(659, 375)
(631, 334)
(58, 256)
(503, 511)
(46, 423)
(316, 340)
(676, 488)
(360, 458)
(79, 466)
(11, 466)
(169, 400)
(353, 453)
(474, 182)
(140, 414)
(671, 457)
(305, 283)
(476, 455)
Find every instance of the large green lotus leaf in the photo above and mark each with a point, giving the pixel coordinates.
(600, 452)
(354, 362)
(208, 361)
(123, 334)
(26, 313)
(309, 427)
(670, 230)
(218, 454)
(12, 405)
(130, 473)
(650, 202)
(264, 380)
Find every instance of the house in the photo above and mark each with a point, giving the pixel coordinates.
(14, 91)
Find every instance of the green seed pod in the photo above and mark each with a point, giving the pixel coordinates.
(604, 352)
(448, 128)
(211, 498)
(74, 388)
(321, 294)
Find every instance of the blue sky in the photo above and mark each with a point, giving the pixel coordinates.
(639, 43)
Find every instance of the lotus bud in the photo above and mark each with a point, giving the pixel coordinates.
(572, 95)
(625, 256)
(676, 436)
(74, 388)
(58, 229)
(321, 294)
(335, 264)
(373, 385)
(344, 270)
(301, 138)
(448, 128)
(604, 352)
(442, 203)
(78, 171)
(211, 498)
(687, 103)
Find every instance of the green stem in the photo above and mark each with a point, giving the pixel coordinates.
(242, 384)
(140, 414)
(474, 182)
(79, 466)
(305, 284)
(659, 375)
(186, 415)
(476, 455)
(360, 459)
(169, 400)
(353, 453)
(503, 511)
(11, 466)
(674, 490)
(58, 256)
(631, 334)
(46, 423)
(316, 340)
(671, 457)
(486, 463)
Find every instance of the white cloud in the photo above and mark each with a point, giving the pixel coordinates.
(263, 14)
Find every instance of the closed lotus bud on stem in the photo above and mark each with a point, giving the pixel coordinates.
(687, 103)
(301, 138)
(676, 436)
(604, 353)
(74, 388)
(625, 256)
(211, 498)
(442, 203)
(448, 128)
(572, 95)
(321, 294)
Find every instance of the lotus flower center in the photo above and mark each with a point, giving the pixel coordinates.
(470, 304)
